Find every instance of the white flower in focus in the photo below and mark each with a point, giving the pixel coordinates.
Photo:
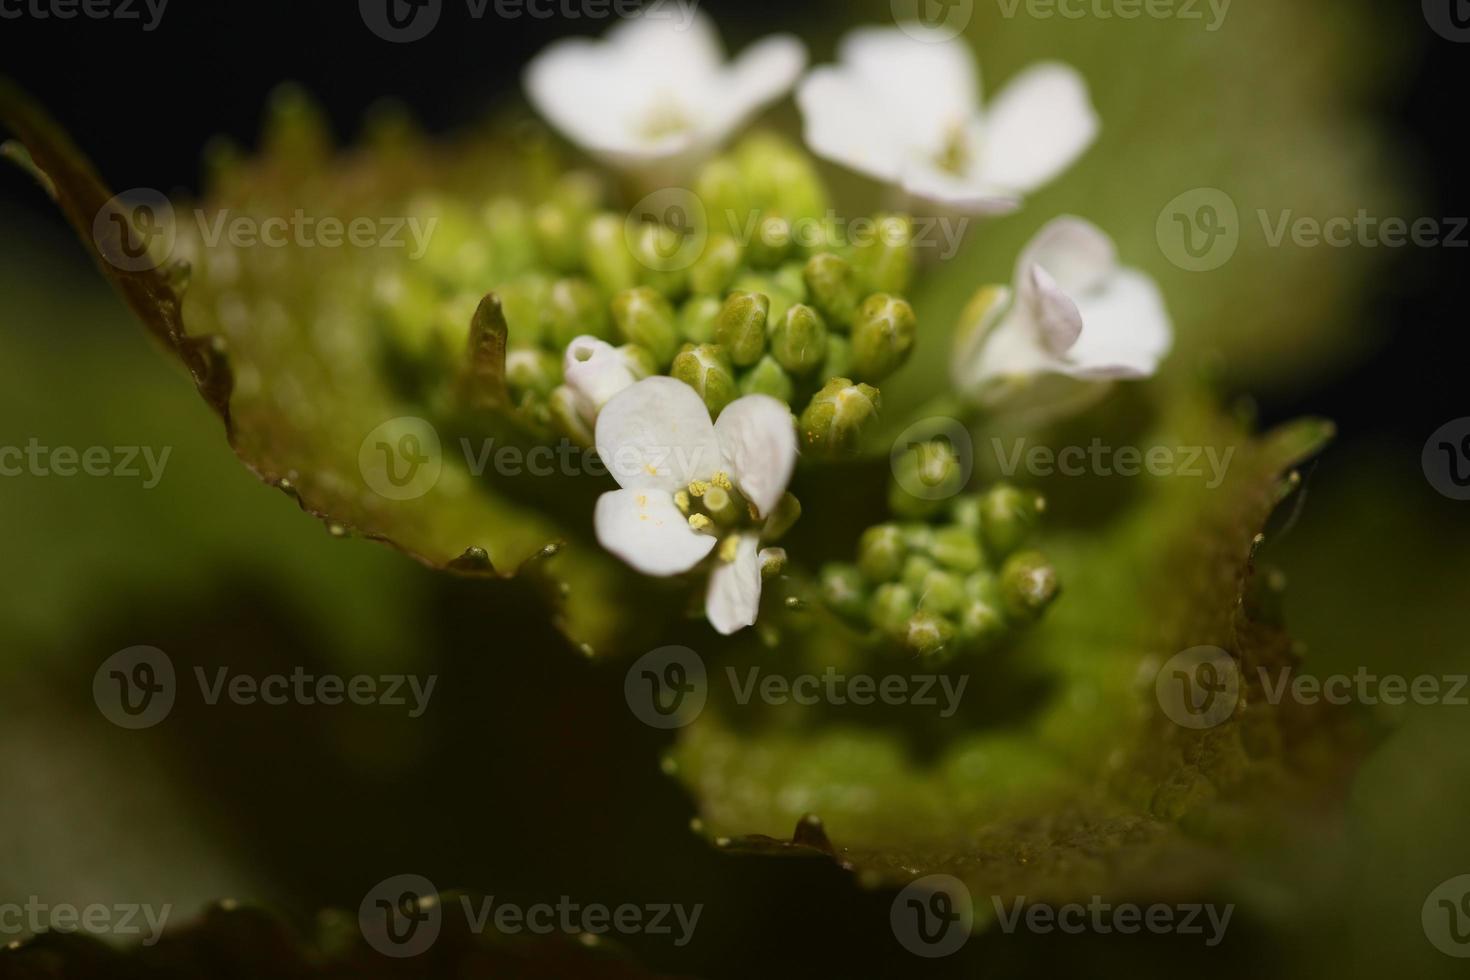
(1072, 312)
(907, 111)
(595, 371)
(683, 481)
(657, 91)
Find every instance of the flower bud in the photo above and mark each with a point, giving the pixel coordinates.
(881, 553)
(661, 263)
(916, 568)
(767, 378)
(1007, 517)
(741, 327)
(605, 253)
(523, 301)
(833, 422)
(888, 260)
(882, 336)
(595, 371)
(927, 634)
(706, 370)
(781, 177)
(640, 362)
(512, 242)
(965, 511)
(1028, 584)
(645, 318)
(574, 308)
(773, 562)
(771, 243)
(532, 370)
(558, 229)
(982, 623)
(565, 409)
(890, 608)
(799, 340)
(697, 319)
(839, 357)
(834, 287)
(931, 468)
(943, 592)
(957, 548)
(713, 271)
(407, 304)
(782, 517)
(726, 199)
(844, 590)
(765, 284)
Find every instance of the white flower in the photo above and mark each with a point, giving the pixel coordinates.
(657, 90)
(659, 444)
(595, 371)
(907, 111)
(1073, 312)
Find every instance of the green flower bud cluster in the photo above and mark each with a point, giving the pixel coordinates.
(744, 286)
(961, 581)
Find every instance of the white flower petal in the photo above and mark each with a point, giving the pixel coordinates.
(927, 87)
(758, 440)
(646, 530)
(734, 597)
(839, 124)
(670, 43)
(1078, 255)
(1126, 329)
(1036, 127)
(595, 371)
(1058, 321)
(761, 74)
(927, 181)
(657, 433)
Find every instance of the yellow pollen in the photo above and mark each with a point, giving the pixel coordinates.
(721, 480)
(729, 547)
(698, 487)
(681, 500)
(700, 522)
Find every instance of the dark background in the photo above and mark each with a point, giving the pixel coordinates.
(207, 70)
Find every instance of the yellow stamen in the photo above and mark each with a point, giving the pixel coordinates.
(700, 522)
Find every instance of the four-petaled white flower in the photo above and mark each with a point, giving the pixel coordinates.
(657, 440)
(907, 111)
(1072, 312)
(657, 92)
